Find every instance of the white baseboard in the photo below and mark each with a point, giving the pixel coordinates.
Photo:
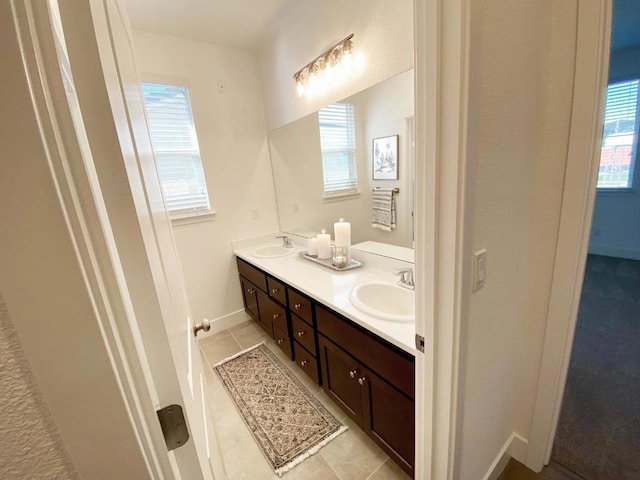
(515, 447)
(618, 252)
(226, 321)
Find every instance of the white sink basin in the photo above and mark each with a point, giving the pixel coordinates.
(272, 251)
(384, 300)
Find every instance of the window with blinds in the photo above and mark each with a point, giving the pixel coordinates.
(175, 146)
(620, 136)
(338, 145)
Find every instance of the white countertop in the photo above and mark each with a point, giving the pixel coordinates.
(331, 287)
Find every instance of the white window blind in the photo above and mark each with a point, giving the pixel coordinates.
(338, 145)
(619, 140)
(175, 145)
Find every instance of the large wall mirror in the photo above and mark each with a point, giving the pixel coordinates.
(383, 110)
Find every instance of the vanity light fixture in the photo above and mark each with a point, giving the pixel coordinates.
(325, 68)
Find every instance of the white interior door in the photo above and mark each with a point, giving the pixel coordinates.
(106, 89)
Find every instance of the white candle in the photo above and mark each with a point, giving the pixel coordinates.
(312, 247)
(324, 245)
(342, 232)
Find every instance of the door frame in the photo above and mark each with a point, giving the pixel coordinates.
(578, 199)
(121, 280)
(442, 247)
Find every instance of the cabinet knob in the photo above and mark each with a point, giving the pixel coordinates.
(276, 315)
(300, 334)
(297, 306)
(304, 362)
(275, 290)
(251, 291)
(362, 380)
(280, 341)
(353, 373)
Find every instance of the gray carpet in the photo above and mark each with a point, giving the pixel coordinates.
(598, 434)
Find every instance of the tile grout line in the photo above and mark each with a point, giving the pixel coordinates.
(379, 467)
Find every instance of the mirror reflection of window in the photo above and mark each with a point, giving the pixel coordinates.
(338, 146)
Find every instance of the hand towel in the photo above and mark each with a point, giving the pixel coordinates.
(384, 209)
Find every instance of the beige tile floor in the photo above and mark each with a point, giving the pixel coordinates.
(351, 456)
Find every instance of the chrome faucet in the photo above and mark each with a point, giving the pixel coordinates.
(286, 242)
(406, 277)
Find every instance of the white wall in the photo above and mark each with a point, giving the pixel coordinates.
(383, 43)
(233, 145)
(30, 445)
(520, 98)
(616, 217)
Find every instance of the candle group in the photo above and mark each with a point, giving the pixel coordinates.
(320, 245)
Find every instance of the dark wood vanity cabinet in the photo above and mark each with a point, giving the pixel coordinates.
(369, 378)
(372, 381)
(265, 301)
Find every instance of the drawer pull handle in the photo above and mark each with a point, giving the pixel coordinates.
(251, 291)
(275, 316)
(297, 306)
(280, 341)
(275, 290)
(304, 362)
(362, 380)
(300, 334)
(353, 373)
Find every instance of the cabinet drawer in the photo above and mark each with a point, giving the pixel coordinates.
(251, 273)
(303, 334)
(283, 341)
(301, 306)
(393, 364)
(273, 312)
(277, 290)
(306, 362)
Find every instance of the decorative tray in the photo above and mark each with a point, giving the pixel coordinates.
(327, 263)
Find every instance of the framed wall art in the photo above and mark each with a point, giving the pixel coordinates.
(385, 158)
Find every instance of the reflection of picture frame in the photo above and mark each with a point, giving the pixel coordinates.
(385, 158)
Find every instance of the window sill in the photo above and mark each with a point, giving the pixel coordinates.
(178, 219)
(340, 196)
(615, 191)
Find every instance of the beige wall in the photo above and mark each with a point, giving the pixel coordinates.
(233, 145)
(30, 445)
(521, 79)
(383, 42)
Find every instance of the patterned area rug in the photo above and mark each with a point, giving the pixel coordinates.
(287, 421)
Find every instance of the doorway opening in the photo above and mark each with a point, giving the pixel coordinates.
(598, 433)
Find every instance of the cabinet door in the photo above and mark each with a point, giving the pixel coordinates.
(340, 373)
(265, 316)
(250, 298)
(389, 419)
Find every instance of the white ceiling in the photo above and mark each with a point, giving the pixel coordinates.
(237, 23)
(245, 23)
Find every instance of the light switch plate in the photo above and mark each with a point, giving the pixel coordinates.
(479, 269)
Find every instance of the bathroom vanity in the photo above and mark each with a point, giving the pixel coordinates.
(370, 377)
